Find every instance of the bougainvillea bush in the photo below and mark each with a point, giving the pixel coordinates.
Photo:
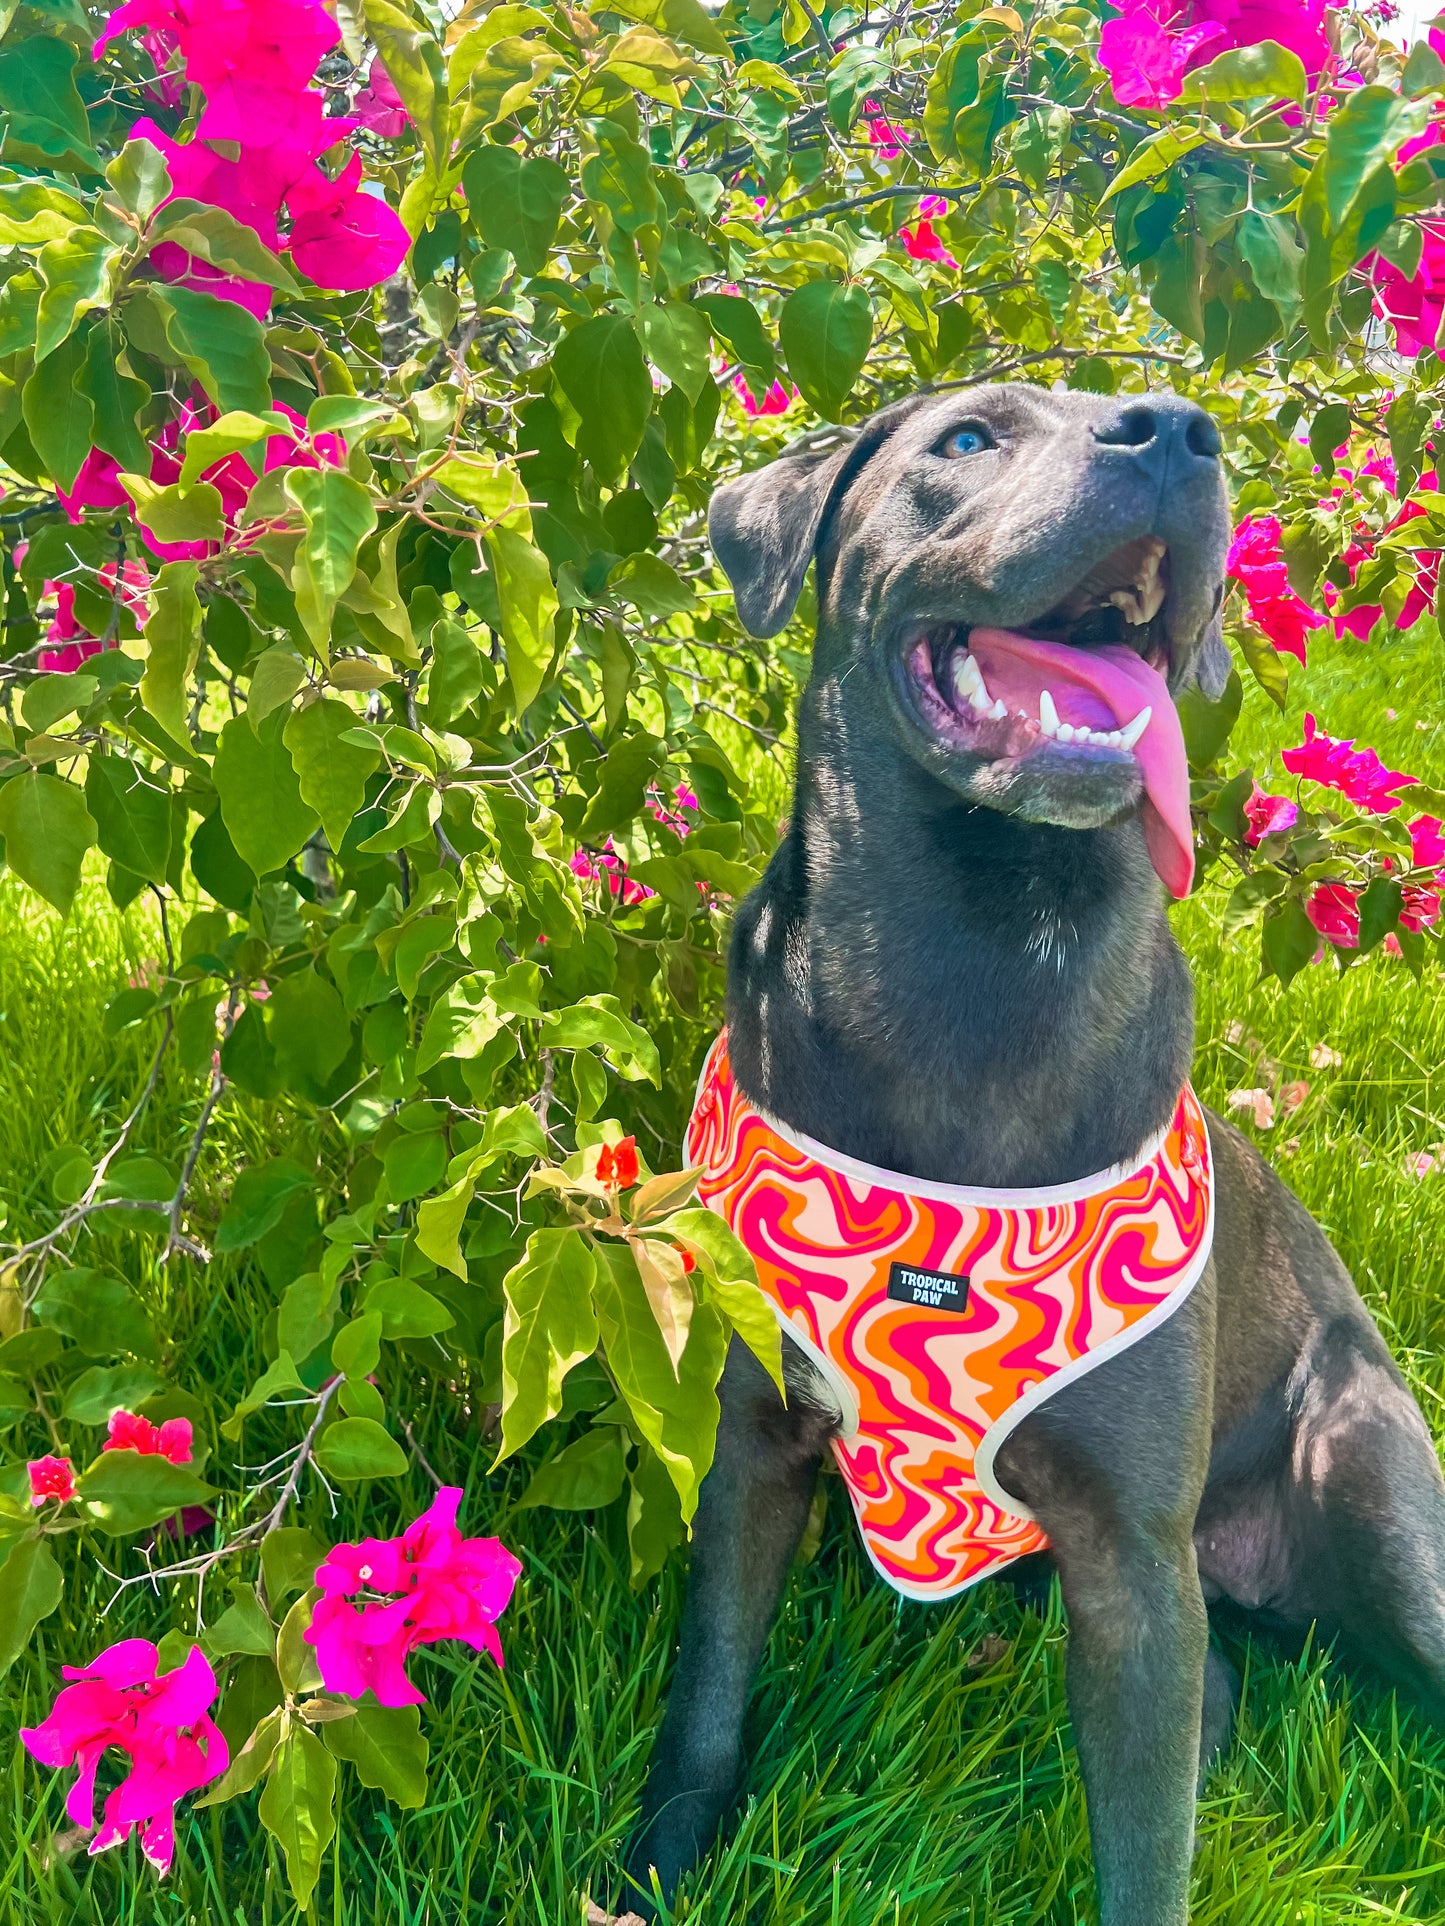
(364, 376)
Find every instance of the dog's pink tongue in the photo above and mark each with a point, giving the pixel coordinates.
(1105, 689)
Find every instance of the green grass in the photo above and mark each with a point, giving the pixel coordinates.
(907, 1765)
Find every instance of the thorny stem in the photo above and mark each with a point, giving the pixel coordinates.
(175, 1239)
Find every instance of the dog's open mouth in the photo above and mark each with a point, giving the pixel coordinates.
(1083, 689)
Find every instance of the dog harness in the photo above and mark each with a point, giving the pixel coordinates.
(941, 1315)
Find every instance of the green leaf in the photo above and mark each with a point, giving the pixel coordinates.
(289, 1558)
(549, 1327)
(172, 514)
(276, 675)
(31, 1586)
(218, 237)
(1207, 725)
(221, 344)
(1380, 906)
(654, 1518)
(126, 1491)
(258, 1198)
(599, 1019)
(1266, 664)
(173, 643)
(34, 212)
(603, 374)
(737, 323)
(59, 415)
(308, 1026)
(733, 1281)
(355, 1448)
(228, 436)
(685, 20)
(339, 515)
(47, 830)
(386, 1745)
(99, 1314)
(242, 1627)
(677, 1415)
(439, 1227)
(79, 274)
(1153, 157)
(406, 1310)
(332, 774)
(529, 605)
(583, 1477)
(297, 1805)
(117, 397)
(1329, 430)
(1363, 134)
(516, 203)
(632, 763)
(1290, 940)
(356, 1348)
(678, 341)
(261, 801)
(140, 177)
(417, 69)
(825, 330)
(96, 1394)
(1275, 257)
(48, 126)
(1266, 71)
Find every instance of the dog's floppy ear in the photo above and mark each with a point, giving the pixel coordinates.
(764, 526)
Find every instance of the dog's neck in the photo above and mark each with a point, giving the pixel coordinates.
(947, 991)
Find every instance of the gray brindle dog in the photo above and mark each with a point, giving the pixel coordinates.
(958, 966)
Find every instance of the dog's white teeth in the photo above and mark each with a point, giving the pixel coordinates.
(969, 685)
(1132, 731)
(998, 712)
(1150, 589)
(1064, 732)
(1048, 714)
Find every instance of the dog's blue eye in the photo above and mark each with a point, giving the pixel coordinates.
(966, 441)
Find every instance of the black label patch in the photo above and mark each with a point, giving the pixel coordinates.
(935, 1290)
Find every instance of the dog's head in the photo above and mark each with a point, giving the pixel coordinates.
(1022, 579)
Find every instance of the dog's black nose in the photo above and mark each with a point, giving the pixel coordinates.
(1160, 427)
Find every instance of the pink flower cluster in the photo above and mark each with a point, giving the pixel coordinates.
(160, 1723)
(1358, 774)
(52, 1478)
(885, 137)
(1256, 559)
(69, 643)
(260, 139)
(382, 1598)
(1149, 49)
(606, 862)
(1415, 307)
(776, 401)
(1421, 596)
(1267, 816)
(920, 242)
(128, 1431)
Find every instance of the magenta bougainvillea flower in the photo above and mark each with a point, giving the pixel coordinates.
(260, 140)
(51, 1478)
(382, 1598)
(1356, 773)
(1266, 814)
(1419, 906)
(1149, 49)
(1334, 909)
(378, 107)
(67, 643)
(776, 401)
(1256, 559)
(1427, 845)
(128, 1431)
(161, 1724)
(920, 242)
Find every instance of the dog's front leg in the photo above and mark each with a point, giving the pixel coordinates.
(751, 1513)
(1113, 1467)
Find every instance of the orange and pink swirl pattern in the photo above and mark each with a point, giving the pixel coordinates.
(1057, 1280)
